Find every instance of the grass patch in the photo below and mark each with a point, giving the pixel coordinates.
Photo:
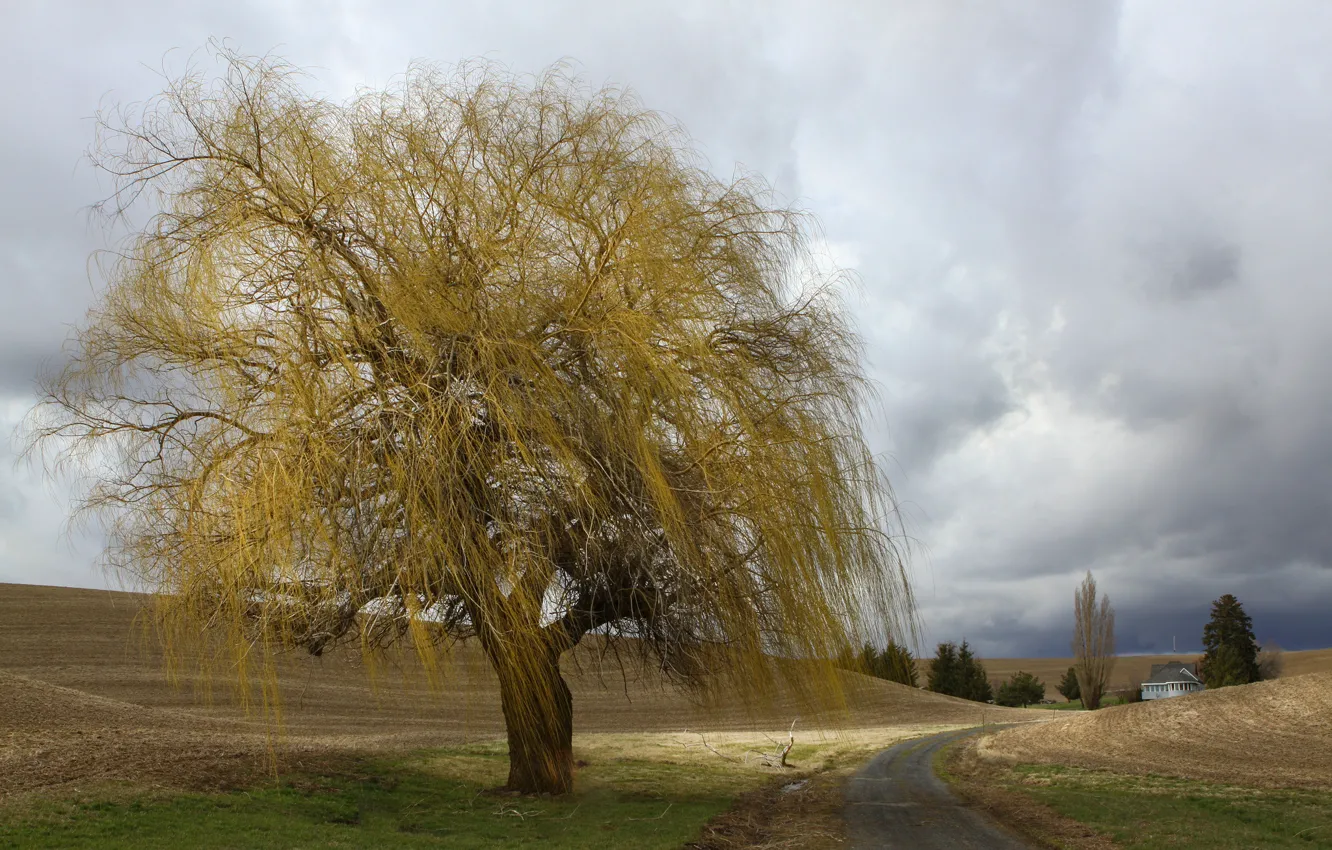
(1075, 705)
(1151, 811)
(429, 799)
(635, 791)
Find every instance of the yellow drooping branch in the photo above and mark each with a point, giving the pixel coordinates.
(478, 355)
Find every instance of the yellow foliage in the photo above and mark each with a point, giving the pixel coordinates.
(479, 355)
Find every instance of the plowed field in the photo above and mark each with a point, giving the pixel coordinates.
(84, 697)
(1275, 733)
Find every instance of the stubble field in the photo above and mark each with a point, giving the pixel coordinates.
(1276, 733)
(85, 698)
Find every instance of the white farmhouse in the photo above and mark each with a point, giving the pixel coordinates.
(1172, 679)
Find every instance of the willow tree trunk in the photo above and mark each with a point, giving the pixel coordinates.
(538, 715)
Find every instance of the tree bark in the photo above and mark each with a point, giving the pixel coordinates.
(538, 716)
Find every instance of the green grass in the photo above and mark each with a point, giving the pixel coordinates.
(430, 799)
(1151, 811)
(1075, 705)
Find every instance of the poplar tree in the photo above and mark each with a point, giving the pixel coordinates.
(1093, 642)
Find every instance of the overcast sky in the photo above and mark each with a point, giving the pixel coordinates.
(1094, 241)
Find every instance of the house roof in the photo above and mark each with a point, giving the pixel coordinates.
(1172, 672)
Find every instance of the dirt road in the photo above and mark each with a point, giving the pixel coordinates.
(897, 801)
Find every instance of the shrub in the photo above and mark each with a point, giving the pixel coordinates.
(1068, 685)
(1023, 689)
(1131, 693)
(1271, 661)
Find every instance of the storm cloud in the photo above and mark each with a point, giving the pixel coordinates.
(1092, 242)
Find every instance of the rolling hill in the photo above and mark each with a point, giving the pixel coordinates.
(1274, 733)
(1133, 668)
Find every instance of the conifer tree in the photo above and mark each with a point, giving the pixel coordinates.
(975, 685)
(1021, 690)
(1229, 627)
(899, 665)
(957, 672)
(945, 673)
(1068, 685)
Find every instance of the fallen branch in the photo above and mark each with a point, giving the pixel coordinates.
(515, 813)
(706, 746)
(790, 743)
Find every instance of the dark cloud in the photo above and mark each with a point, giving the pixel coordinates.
(1173, 619)
(1092, 240)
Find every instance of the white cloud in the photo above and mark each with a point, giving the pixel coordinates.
(1091, 241)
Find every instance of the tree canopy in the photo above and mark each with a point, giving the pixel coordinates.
(477, 356)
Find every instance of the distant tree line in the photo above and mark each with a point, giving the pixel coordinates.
(1232, 657)
(894, 662)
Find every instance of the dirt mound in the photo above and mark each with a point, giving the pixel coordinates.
(1276, 733)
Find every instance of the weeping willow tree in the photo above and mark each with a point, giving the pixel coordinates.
(476, 357)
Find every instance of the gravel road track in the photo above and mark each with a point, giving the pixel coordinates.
(896, 801)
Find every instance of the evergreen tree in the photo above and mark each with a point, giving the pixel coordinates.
(847, 659)
(895, 663)
(868, 663)
(945, 675)
(1229, 627)
(1023, 689)
(1226, 668)
(957, 672)
(899, 665)
(1068, 685)
(974, 683)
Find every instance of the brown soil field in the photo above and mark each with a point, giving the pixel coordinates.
(1275, 733)
(1131, 669)
(84, 696)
